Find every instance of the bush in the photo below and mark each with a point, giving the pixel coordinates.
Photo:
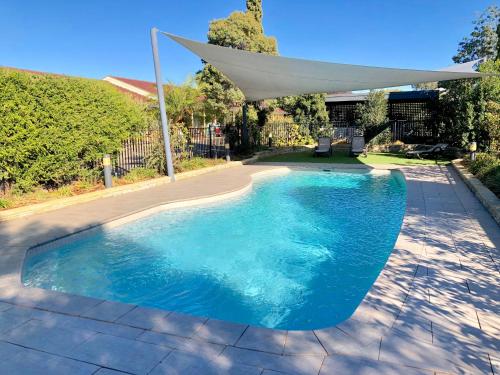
(5, 203)
(52, 127)
(486, 168)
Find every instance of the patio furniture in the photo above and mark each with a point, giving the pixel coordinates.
(358, 146)
(427, 150)
(324, 146)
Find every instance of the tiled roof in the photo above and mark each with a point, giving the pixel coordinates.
(143, 85)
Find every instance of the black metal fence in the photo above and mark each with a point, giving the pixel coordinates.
(210, 142)
(146, 150)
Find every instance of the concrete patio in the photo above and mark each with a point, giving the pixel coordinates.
(433, 309)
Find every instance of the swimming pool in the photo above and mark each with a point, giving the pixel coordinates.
(299, 251)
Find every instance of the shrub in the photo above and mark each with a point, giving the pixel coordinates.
(486, 168)
(51, 127)
(5, 203)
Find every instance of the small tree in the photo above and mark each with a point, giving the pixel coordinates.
(182, 101)
(307, 110)
(371, 116)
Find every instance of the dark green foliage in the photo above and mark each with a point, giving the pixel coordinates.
(486, 167)
(371, 115)
(241, 30)
(483, 41)
(51, 127)
(469, 110)
(254, 7)
(307, 110)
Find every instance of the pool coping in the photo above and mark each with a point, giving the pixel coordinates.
(360, 335)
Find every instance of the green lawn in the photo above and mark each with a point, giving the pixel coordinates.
(341, 157)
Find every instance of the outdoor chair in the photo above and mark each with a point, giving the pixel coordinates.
(358, 146)
(424, 150)
(324, 146)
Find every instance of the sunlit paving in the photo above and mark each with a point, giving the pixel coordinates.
(174, 201)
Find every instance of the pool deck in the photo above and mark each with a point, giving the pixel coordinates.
(434, 309)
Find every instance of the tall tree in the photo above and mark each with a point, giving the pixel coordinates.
(241, 30)
(468, 111)
(483, 40)
(254, 7)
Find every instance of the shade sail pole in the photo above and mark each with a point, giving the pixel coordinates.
(161, 102)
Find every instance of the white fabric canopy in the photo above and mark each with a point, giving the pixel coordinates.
(261, 76)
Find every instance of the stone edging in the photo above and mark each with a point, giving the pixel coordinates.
(485, 195)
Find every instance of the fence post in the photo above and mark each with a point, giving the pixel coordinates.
(106, 162)
(210, 140)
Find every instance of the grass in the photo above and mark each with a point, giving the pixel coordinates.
(344, 158)
(196, 163)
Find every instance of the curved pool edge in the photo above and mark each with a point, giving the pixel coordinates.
(371, 320)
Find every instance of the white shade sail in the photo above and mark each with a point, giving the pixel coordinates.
(261, 76)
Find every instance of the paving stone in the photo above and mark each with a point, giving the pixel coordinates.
(146, 318)
(178, 363)
(120, 354)
(472, 338)
(414, 326)
(107, 371)
(179, 324)
(181, 343)
(42, 336)
(8, 350)
(303, 342)
(337, 342)
(108, 311)
(263, 339)
(66, 303)
(102, 327)
(8, 321)
(220, 332)
(296, 364)
(5, 306)
(406, 351)
(33, 362)
(334, 365)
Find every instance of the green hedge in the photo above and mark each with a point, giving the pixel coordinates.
(486, 168)
(51, 127)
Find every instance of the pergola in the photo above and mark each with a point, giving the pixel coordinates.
(261, 76)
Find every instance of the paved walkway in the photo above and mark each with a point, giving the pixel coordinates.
(433, 309)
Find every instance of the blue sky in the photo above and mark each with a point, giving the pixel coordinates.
(95, 38)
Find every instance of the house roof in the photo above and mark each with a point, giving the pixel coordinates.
(137, 89)
(150, 87)
(414, 95)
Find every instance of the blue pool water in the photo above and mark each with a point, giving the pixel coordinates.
(299, 251)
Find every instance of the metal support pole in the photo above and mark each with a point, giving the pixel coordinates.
(106, 163)
(161, 102)
(244, 127)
